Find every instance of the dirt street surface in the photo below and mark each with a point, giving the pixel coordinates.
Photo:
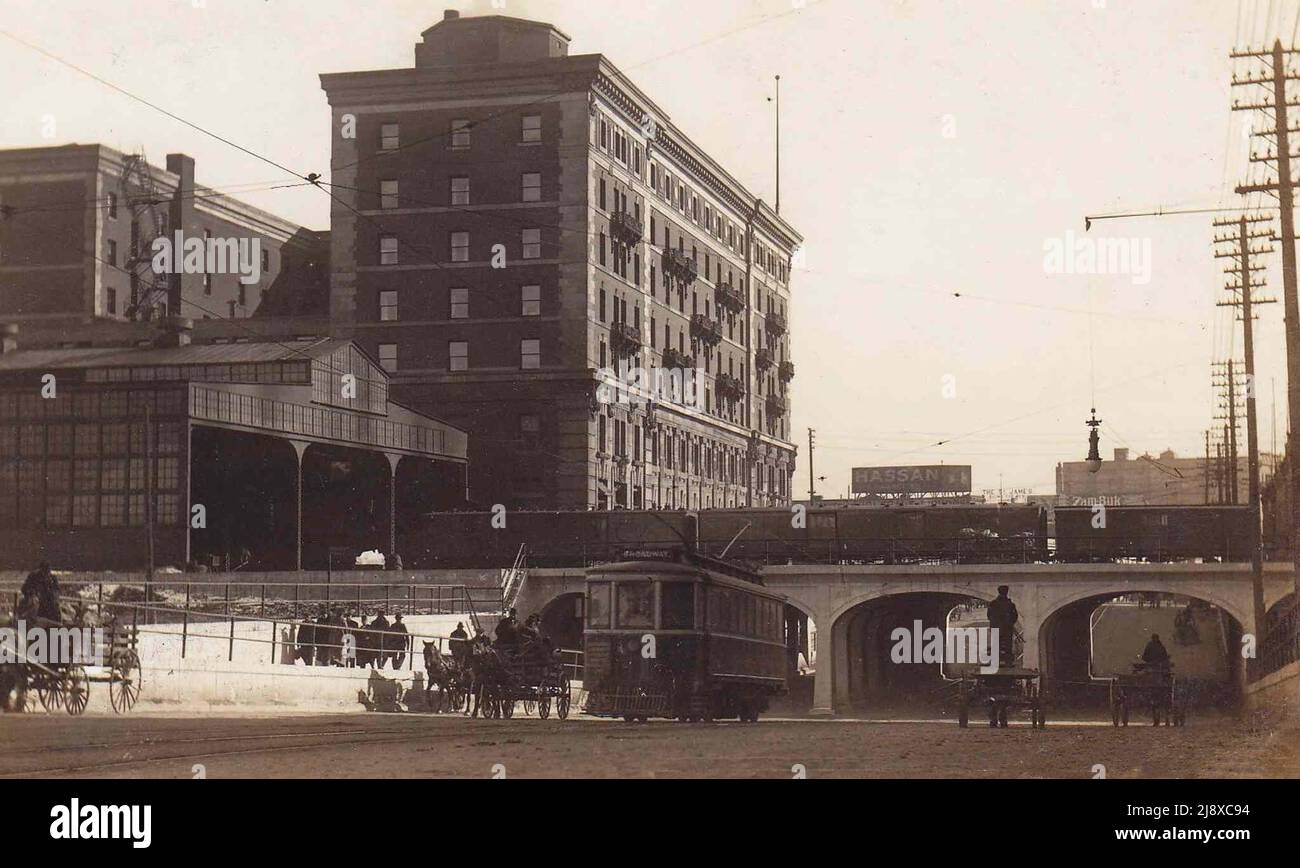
(418, 746)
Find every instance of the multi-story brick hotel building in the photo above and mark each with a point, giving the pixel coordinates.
(76, 224)
(509, 219)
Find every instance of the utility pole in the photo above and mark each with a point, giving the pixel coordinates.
(149, 503)
(1225, 378)
(812, 491)
(1274, 76)
(1242, 293)
(1207, 466)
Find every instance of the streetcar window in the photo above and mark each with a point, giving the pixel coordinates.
(636, 604)
(598, 605)
(678, 605)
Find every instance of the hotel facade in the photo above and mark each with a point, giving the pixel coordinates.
(509, 221)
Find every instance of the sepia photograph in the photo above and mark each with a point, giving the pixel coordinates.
(401, 394)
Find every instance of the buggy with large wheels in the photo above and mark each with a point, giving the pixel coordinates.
(1007, 690)
(1151, 686)
(533, 677)
(65, 684)
(58, 684)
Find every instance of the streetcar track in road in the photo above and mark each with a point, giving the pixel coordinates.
(135, 761)
(147, 741)
(325, 739)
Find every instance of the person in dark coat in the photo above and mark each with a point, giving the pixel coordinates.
(329, 638)
(399, 641)
(1155, 655)
(458, 642)
(507, 632)
(1002, 617)
(40, 595)
(379, 641)
(306, 651)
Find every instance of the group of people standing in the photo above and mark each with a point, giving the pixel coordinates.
(335, 638)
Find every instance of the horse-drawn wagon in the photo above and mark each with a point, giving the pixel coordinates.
(1006, 690)
(1151, 686)
(531, 675)
(62, 680)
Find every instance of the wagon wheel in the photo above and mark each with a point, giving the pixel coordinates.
(564, 698)
(530, 706)
(507, 707)
(544, 706)
(77, 687)
(49, 689)
(124, 681)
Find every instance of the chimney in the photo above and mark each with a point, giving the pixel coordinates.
(181, 217)
(450, 15)
(1121, 454)
(8, 338)
(176, 332)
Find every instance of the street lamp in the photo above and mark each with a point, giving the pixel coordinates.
(1094, 457)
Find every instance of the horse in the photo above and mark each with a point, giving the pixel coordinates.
(441, 672)
(489, 673)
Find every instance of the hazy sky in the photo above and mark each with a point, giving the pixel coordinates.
(929, 148)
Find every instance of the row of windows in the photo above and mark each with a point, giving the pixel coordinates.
(122, 438)
(530, 303)
(458, 193)
(21, 475)
(460, 132)
(729, 610)
(675, 450)
(684, 200)
(530, 355)
(91, 404)
(88, 510)
(530, 241)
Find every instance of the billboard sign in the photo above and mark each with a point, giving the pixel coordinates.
(912, 479)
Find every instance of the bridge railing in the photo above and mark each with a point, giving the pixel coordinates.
(172, 599)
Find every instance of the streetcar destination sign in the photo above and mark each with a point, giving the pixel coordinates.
(912, 479)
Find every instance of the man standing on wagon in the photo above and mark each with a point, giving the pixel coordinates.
(1002, 617)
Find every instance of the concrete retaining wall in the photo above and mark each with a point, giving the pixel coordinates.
(1274, 700)
(253, 674)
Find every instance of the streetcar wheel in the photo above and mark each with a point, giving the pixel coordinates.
(124, 682)
(77, 686)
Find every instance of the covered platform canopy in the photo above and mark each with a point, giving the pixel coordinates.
(260, 453)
